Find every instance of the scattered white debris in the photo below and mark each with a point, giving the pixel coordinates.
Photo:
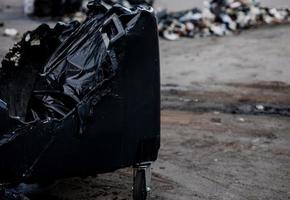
(260, 107)
(218, 30)
(256, 140)
(187, 100)
(16, 59)
(216, 160)
(241, 119)
(235, 5)
(11, 32)
(170, 35)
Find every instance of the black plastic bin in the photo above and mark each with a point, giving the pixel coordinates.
(122, 129)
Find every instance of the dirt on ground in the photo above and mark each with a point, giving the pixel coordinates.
(225, 117)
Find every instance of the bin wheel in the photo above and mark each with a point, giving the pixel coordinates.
(139, 186)
(8, 195)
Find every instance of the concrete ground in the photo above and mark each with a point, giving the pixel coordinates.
(225, 117)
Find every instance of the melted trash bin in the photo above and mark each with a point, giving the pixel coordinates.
(82, 99)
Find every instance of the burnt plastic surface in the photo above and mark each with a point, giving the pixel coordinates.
(96, 106)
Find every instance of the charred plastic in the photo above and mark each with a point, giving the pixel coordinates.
(80, 99)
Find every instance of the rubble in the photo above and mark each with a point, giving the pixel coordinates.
(218, 18)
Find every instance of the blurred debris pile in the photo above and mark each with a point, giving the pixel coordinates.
(219, 18)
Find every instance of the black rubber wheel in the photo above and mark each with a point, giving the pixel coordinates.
(139, 186)
(8, 195)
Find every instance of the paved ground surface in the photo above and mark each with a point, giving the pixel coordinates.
(225, 117)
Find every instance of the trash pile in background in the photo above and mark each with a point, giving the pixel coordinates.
(71, 10)
(218, 18)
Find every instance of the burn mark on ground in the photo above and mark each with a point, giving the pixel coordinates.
(263, 98)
